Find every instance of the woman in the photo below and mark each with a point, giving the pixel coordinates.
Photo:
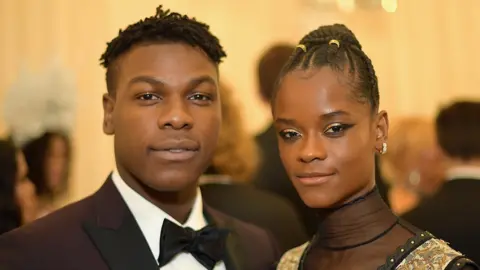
(329, 128)
(413, 165)
(48, 159)
(17, 194)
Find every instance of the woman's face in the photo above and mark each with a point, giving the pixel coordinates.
(56, 162)
(327, 137)
(25, 191)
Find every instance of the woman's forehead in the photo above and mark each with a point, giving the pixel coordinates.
(319, 90)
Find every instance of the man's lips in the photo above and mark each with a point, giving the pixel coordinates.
(176, 150)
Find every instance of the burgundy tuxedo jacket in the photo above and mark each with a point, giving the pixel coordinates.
(100, 233)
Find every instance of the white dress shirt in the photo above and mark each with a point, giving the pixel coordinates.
(463, 172)
(150, 220)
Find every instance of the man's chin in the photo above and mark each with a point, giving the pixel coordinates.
(173, 182)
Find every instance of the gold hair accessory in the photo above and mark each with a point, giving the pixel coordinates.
(303, 47)
(334, 41)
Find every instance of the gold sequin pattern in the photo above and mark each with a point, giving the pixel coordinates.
(434, 254)
(291, 259)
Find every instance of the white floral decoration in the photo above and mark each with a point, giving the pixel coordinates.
(37, 103)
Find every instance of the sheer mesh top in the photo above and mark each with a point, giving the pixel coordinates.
(365, 234)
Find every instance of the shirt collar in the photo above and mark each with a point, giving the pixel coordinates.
(463, 172)
(150, 218)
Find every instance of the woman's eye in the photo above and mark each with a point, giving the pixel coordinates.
(289, 134)
(336, 129)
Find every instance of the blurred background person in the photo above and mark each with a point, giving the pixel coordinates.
(226, 183)
(236, 157)
(412, 166)
(39, 112)
(453, 212)
(18, 204)
(49, 158)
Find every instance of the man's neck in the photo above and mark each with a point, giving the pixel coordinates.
(177, 204)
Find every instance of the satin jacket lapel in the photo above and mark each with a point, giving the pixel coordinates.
(235, 258)
(116, 233)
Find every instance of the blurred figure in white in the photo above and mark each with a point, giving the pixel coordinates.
(40, 114)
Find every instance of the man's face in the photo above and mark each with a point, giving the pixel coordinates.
(165, 115)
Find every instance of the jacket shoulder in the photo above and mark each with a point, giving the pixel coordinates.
(47, 235)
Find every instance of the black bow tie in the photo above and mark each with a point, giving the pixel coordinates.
(206, 245)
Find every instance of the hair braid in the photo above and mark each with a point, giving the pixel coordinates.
(321, 51)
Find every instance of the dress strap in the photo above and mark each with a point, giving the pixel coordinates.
(291, 259)
(424, 251)
(461, 262)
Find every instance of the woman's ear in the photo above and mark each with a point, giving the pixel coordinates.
(381, 132)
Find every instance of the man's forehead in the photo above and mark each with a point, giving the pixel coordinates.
(166, 59)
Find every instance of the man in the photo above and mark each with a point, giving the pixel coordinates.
(163, 109)
(453, 212)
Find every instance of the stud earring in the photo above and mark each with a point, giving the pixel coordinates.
(384, 148)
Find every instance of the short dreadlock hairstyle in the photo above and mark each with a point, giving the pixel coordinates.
(337, 47)
(164, 27)
(458, 131)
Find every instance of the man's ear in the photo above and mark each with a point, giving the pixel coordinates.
(108, 107)
(381, 131)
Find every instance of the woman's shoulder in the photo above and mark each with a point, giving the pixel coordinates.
(291, 259)
(425, 251)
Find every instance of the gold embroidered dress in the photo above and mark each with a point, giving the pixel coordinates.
(364, 234)
(421, 252)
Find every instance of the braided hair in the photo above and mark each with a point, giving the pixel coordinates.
(164, 27)
(337, 47)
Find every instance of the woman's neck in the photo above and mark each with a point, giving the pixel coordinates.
(356, 223)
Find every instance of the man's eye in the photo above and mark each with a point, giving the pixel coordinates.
(200, 97)
(148, 96)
